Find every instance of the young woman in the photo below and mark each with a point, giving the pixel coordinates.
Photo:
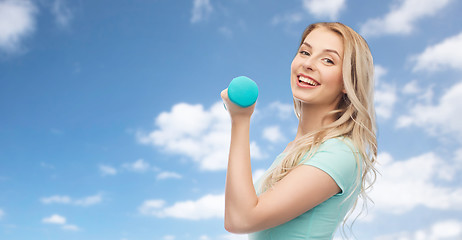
(316, 180)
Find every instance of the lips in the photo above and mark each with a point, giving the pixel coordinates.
(305, 81)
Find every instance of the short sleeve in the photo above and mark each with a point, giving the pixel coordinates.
(337, 158)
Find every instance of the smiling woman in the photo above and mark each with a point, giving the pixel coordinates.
(310, 187)
(318, 66)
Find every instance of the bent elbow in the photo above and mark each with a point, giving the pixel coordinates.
(233, 228)
(237, 227)
(229, 227)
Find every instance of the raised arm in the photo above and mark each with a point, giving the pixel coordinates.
(240, 194)
(302, 189)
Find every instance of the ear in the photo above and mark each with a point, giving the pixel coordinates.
(344, 91)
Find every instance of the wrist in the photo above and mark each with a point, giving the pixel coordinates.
(240, 120)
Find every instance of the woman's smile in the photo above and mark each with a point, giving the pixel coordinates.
(306, 82)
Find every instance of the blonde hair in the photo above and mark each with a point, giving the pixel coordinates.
(354, 116)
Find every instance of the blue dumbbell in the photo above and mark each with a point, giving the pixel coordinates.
(243, 91)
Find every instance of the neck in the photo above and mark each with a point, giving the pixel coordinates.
(312, 118)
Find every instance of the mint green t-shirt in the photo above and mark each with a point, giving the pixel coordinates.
(336, 157)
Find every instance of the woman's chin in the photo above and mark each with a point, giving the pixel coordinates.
(302, 98)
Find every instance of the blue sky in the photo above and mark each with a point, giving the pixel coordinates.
(112, 126)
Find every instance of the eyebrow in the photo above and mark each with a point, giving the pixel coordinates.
(325, 50)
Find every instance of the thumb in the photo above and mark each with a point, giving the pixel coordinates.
(224, 94)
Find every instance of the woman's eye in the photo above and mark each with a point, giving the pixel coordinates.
(329, 61)
(303, 52)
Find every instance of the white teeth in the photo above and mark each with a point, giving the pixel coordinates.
(307, 80)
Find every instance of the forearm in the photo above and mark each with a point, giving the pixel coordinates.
(240, 196)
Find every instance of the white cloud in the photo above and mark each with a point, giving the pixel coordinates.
(442, 56)
(202, 135)
(107, 170)
(403, 17)
(225, 31)
(166, 175)
(446, 229)
(321, 9)
(289, 18)
(458, 156)
(273, 134)
(284, 111)
(55, 219)
(17, 20)
(385, 94)
(148, 205)
(201, 10)
(60, 220)
(379, 73)
(255, 151)
(443, 230)
(234, 237)
(169, 237)
(417, 93)
(86, 201)
(56, 199)
(443, 117)
(257, 174)
(71, 227)
(385, 99)
(324, 8)
(90, 200)
(63, 14)
(206, 207)
(138, 166)
(412, 88)
(404, 185)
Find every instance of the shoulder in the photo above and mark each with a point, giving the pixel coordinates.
(340, 149)
(338, 144)
(337, 157)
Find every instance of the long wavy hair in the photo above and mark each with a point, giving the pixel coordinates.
(354, 116)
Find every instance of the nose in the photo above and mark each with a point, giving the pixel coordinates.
(309, 63)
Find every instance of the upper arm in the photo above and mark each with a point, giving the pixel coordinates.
(299, 191)
(330, 171)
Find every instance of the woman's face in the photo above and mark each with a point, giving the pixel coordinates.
(316, 71)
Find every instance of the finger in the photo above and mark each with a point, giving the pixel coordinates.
(224, 97)
(224, 94)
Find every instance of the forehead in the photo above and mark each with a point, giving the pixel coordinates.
(322, 38)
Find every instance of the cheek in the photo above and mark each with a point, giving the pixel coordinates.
(336, 80)
(337, 77)
(293, 70)
(292, 65)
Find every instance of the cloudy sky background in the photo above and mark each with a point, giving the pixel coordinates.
(112, 126)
